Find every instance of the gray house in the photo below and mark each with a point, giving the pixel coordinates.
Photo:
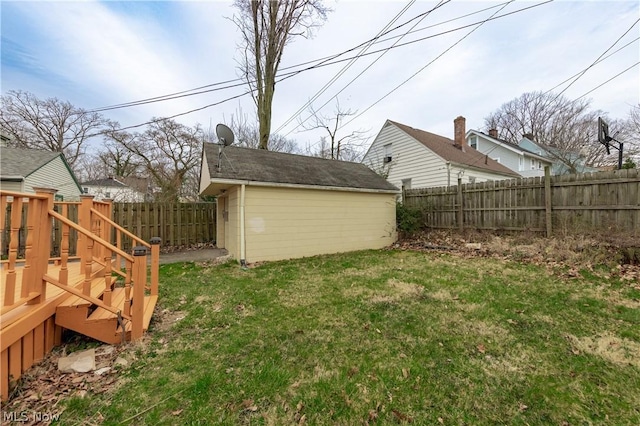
(23, 169)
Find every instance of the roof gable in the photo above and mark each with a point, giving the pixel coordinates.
(23, 162)
(508, 145)
(446, 149)
(258, 165)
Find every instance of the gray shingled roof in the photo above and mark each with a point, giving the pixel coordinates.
(111, 182)
(446, 149)
(23, 162)
(258, 165)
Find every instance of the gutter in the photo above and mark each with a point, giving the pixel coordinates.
(303, 186)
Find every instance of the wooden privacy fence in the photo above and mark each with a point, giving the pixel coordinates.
(603, 201)
(177, 224)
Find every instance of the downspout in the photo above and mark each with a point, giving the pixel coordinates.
(243, 254)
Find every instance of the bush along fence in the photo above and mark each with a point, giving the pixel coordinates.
(177, 223)
(590, 202)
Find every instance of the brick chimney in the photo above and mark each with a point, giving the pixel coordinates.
(459, 130)
(493, 133)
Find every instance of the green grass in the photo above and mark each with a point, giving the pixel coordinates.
(381, 337)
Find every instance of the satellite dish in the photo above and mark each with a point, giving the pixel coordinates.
(225, 134)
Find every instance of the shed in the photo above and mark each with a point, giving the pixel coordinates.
(274, 206)
(23, 169)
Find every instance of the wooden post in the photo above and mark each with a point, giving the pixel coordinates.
(84, 220)
(139, 281)
(460, 207)
(43, 247)
(155, 264)
(63, 276)
(547, 200)
(10, 280)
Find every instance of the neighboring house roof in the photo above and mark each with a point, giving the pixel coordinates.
(259, 165)
(446, 149)
(108, 182)
(18, 162)
(508, 145)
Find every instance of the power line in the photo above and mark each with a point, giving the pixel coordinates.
(368, 67)
(346, 67)
(602, 84)
(319, 63)
(293, 73)
(435, 59)
(297, 113)
(598, 59)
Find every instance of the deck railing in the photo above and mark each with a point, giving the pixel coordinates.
(96, 254)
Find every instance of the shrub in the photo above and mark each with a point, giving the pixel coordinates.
(408, 219)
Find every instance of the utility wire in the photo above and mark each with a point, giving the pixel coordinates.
(322, 62)
(345, 68)
(597, 60)
(432, 61)
(441, 3)
(602, 84)
(289, 75)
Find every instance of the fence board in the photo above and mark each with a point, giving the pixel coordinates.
(176, 224)
(607, 201)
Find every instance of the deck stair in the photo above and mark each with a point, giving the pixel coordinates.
(89, 283)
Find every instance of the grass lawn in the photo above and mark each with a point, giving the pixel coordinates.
(381, 337)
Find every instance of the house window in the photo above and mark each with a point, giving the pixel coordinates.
(521, 164)
(539, 164)
(107, 195)
(406, 184)
(473, 142)
(533, 164)
(85, 190)
(388, 154)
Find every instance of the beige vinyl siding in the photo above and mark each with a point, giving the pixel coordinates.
(232, 225)
(411, 160)
(12, 186)
(221, 203)
(284, 223)
(54, 175)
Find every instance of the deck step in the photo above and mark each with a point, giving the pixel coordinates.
(97, 288)
(102, 324)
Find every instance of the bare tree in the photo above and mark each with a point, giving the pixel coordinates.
(568, 127)
(347, 147)
(267, 26)
(247, 134)
(114, 157)
(168, 151)
(49, 124)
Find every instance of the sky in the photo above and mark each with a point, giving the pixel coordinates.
(101, 53)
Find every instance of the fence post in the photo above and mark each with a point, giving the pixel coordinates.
(139, 281)
(547, 200)
(460, 207)
(155, 264)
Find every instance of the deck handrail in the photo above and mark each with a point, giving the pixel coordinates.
(121, 229)
(88, 234)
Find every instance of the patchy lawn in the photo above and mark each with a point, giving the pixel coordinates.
(381, 337)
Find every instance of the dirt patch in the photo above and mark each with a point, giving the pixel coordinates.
(619, 351)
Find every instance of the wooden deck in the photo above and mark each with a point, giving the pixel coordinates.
(103, 293)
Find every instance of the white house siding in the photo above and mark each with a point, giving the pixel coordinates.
(55, 174)
(119, 194)
(470, 175)
(283, 223)
(411, 160)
